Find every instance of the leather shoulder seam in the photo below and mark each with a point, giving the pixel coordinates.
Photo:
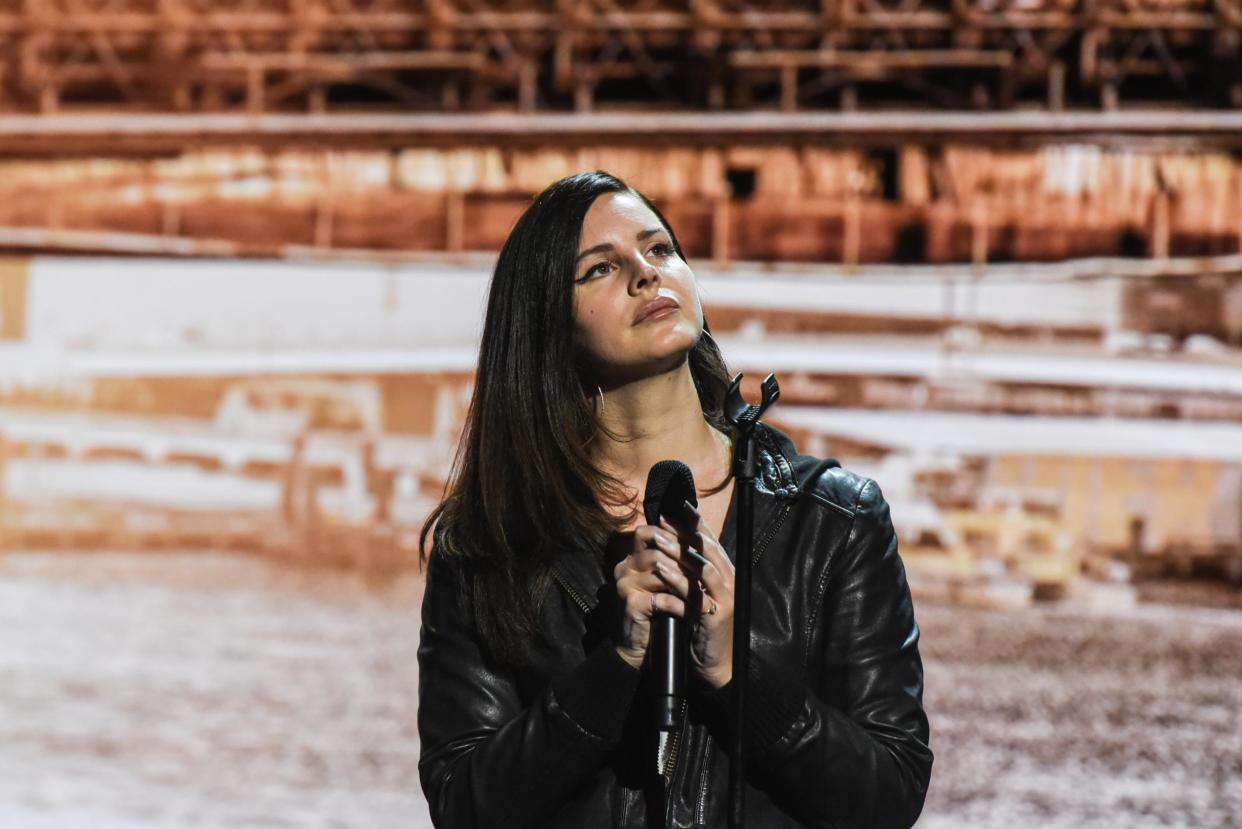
(817, 490)
(825, 501)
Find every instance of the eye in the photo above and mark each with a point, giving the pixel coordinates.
(591, 272)
(663, 249)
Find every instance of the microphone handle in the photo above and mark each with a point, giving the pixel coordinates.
(669, 664)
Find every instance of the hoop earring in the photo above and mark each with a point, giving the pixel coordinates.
(601, 399)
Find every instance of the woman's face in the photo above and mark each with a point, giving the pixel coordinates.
(636, 303)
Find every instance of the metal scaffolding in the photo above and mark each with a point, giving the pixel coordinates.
(315, 56)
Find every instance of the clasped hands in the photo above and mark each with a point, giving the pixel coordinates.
(688, 576)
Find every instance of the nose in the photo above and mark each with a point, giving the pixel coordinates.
(644, 276)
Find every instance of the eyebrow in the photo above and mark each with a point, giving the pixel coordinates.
(642, 234)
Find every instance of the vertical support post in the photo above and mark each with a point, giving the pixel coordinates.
(1160, 219)
(170, 219)
(378, 481)
(789, 87)
(1109, 96)
(255, 80)
(584, 95)
(938, 245)
(721, 226)
(325, 206)
(49, 99)
(1238, 213)
(454, 221)
(978, 234)
(292, 479)
(450, 96)
(317, 100)
(1056, 86)
(744, 417)
(526, 87)
(849, 98)
(851, 246)
(746, 469)
(913, 176)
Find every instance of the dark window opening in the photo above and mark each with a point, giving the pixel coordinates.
(741, 181)
(885, 160)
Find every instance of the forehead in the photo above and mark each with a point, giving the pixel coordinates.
(621, 214)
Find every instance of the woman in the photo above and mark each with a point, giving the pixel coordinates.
(595, 364)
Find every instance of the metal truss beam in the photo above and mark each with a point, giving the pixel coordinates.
(145, 135)
(434, 55)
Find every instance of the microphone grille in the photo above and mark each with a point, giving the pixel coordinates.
(669, 483)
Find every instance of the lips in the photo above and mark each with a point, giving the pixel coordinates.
(657, 306)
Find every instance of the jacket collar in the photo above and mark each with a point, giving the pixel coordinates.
(776, 456)
(580, 573)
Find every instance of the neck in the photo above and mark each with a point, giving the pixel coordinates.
(659, 418)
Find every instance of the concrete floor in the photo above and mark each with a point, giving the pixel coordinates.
(202, 690)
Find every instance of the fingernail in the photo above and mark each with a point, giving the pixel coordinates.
(694, 554)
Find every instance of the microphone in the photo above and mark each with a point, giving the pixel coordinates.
(669, 485)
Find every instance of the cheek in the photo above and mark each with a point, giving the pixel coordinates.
(695, 303)
(591, 327)
(692, 301)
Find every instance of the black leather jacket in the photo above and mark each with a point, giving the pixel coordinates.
(836, 734)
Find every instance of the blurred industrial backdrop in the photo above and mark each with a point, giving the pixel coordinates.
(992, 249)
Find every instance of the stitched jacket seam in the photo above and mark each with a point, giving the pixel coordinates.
(822, 587)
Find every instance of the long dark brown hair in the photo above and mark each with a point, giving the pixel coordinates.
(524, 488)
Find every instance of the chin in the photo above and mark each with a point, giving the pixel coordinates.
(664, 361)
(671, 343)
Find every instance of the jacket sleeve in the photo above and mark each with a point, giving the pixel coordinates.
(854, 752)
(486, 759)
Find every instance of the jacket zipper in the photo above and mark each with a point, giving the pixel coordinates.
(764, 541)
(670, 765)
(700, 816)
(674, 743)
(771, 532)
(573, 594)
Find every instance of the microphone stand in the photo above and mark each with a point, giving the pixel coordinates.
(743, 416)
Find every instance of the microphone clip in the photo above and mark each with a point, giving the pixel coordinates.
(744, 416)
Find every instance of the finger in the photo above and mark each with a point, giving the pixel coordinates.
(641, 604)
(672, 530)
(647, 535)
(672, 576)
(689, 546)
(640, 562)
(645, 582)
(707, 545)
(715, 583)
(667, 541)
(638, 606)
(720, 619)
(700, 525)
(693, 559)
(670, 604)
